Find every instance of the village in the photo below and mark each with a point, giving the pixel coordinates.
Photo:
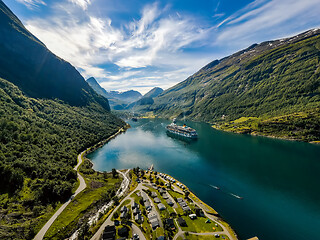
(159, 207)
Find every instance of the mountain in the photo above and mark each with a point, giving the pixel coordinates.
(154, 92)
(270, 79)
(127, 96)
(26, 62)
(146, 99)
(96, 87)
(117, 100)
(48, 115)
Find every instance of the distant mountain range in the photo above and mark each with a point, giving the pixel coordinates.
(128, 100)
(117, 100)
(266, 80)
(146, 100)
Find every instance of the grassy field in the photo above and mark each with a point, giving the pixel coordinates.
(302, 126)
(68, 221)
(199, 225)
(198, 237)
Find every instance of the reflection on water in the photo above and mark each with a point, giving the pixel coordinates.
(259, 185)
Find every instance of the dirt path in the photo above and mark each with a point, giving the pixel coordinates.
(81, 187)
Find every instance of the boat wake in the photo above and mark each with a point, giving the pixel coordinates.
(236, 196)
(215, 187)
(225, 192)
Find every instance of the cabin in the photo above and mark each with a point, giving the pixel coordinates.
(157, 200)
(165, 196)
(136, 211)
(138, 218)
(124, 209)
(170, 203)
(154, 223)
(134, 205)
(161, 207)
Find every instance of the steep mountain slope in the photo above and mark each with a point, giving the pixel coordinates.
(26, 62)
(115, 103)
(154, 92)
(96, 87)
(269, 79)
(48, 115)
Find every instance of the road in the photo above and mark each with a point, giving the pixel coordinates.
(81, 187)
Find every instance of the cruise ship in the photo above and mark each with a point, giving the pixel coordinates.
(183, 131)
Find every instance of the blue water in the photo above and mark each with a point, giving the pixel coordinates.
(278, 180)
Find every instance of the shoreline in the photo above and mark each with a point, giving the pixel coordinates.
(102, 143)
(210, 210)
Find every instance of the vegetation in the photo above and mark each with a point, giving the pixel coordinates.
(266, 80)
(101, 188)
(39, 143)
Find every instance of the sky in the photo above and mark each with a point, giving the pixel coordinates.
(141, 44)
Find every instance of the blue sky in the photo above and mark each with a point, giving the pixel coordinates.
(139, 44)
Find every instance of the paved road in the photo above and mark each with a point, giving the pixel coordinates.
(81, 187)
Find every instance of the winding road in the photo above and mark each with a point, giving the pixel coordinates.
(81, 187)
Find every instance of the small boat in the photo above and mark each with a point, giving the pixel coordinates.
(215, 187)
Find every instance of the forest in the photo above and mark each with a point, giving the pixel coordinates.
(39, 143)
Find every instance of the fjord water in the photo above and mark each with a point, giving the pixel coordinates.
(278, 180)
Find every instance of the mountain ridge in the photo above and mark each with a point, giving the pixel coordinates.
(41, 74)
(265, 80)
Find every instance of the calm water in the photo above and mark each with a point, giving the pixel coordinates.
(278, 180)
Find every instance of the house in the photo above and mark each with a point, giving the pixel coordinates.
(144, 196)
(161, 206)
(154, 223)
(123, 214)
(134, 205)
(123, 232)
(148, 205)
(154, 194)
(170, 203)
(138, 218)
(136, 211)
(161, 238)
(124, 209)
(161, 191)
(186, 208)
(165, 196)
(182, 222)
(109, 233)
(180, 200)
(152, 215)
(157, 200)
(192, 216)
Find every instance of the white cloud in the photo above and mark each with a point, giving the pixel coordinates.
(263, 20)
(32, 4)
(82, 3)
(89, 42)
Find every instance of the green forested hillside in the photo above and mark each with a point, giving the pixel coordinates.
(39, 143)
(266, 80)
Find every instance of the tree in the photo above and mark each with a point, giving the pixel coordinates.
(114, 173)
